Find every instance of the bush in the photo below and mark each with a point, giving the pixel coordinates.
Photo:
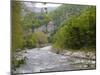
(41, 38)
(31, 41)
(17, 63)
(36, 39)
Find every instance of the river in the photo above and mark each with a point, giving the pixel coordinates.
(44, 60)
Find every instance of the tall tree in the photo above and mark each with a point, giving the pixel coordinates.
(17, 35)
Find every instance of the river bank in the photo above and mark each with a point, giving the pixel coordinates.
(91, 55)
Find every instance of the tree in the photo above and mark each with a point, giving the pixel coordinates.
(31, 41)
(17, 33)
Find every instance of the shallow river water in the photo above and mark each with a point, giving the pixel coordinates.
(44, 60)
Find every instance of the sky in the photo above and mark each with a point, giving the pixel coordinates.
(86, 2)
(40, 5)
(47, 5)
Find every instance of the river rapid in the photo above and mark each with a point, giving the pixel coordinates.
(44, 60)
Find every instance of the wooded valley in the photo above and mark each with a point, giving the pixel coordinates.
(69, 27)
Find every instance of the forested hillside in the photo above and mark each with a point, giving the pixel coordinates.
(78, 32)
(65, 11)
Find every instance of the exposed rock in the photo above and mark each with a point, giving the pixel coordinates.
(80, 54)
(68, 53)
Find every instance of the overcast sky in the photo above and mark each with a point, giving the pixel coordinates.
(47, 5)
(86, 2)
(40, 5)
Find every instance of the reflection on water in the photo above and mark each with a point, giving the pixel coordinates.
(43, 60)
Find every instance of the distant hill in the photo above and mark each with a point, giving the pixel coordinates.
(65, 11)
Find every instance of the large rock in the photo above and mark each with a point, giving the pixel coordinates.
(79, 54)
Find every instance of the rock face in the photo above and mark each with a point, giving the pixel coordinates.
(49, 28)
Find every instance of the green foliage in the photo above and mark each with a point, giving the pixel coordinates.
(65, 11)
(16, 63)
(78, 32)
(36, 39)
(23, 23)
(30, 41)
(41, 38)
(28, 20)
(75, 26)
(34, 20)
(17, 33)
(46, 18)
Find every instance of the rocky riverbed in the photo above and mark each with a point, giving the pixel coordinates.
(80, 54)
(44, 60)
